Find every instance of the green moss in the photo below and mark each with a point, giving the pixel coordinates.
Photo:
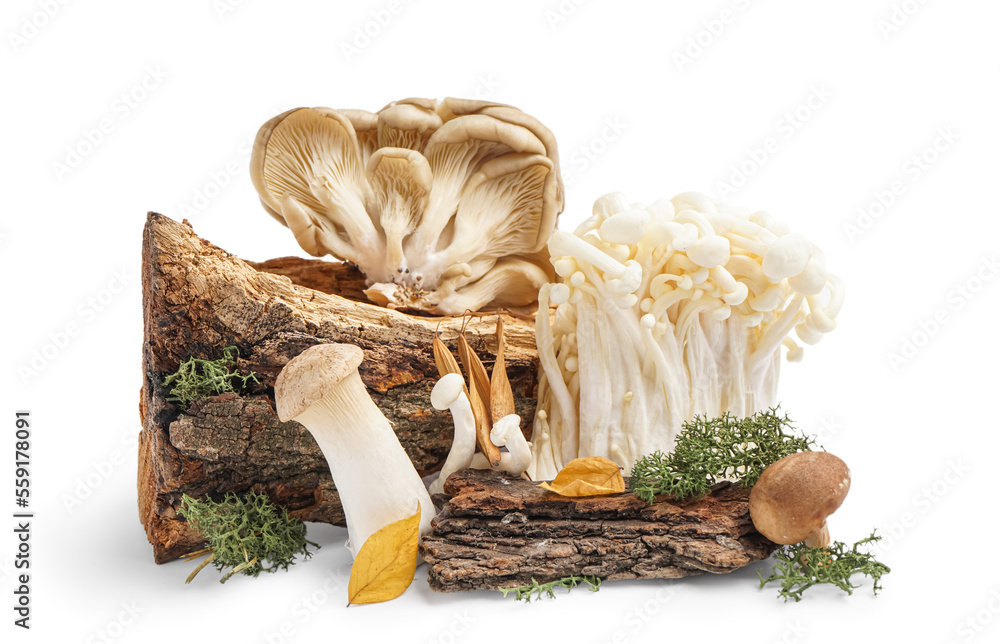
(709, 450)
(536, 590)
(799, 567)
(196, 378)
(244, 532)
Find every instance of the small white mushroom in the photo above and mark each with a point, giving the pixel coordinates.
(811, 280)
(506, 432)
(449, 393)
(609, 204)
(710, 251)
(563, 244)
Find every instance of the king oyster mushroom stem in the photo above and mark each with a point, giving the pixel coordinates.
(321, 389)
(664, 312)
(443, 206)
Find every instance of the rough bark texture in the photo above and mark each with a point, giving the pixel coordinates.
(337, 278)
(499, 532)
(199, 299)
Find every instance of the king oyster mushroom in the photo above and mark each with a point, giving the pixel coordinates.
(321, 389)
(445, 207)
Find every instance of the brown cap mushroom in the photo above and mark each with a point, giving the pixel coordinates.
(793, 497)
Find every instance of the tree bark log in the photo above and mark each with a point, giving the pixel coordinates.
(199, 299)
(499, 532)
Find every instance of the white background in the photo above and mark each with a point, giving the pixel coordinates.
(631, 114)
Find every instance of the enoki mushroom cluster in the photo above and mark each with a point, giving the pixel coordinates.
(664, 312)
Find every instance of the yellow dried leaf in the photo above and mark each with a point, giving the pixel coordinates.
(590, 476)
(386, 562)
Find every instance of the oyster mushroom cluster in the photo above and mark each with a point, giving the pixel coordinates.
(444, 206)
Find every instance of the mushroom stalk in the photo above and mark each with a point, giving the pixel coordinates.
(506, 432)
(376, 481)
(820, 538)
(448, 394)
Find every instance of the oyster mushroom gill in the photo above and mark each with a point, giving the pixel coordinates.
(445, 207)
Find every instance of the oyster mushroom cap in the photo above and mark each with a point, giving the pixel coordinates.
(500, 213)
(428, 104)
(365, 125)
(794, 496)
(405, 125)
(455, 152)
(454, 107)
(512, 282)
(451, 107)
(426, 198)
(401, 181)
(306, 167)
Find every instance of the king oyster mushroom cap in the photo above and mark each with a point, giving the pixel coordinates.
(417, 250)
(794, 495)
(321, 389)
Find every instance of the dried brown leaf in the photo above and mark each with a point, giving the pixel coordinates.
(444, 359)
(479, 398)
(501, 394)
